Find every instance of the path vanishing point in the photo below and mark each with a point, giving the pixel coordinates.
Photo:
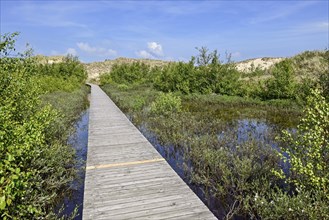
(126, 178)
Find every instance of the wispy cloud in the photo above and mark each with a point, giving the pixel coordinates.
(187, 8)
(98, 51)
(166, 7)
(167, 28)
(236, 54)
(71, 51)
(275, 11)
(52, 14)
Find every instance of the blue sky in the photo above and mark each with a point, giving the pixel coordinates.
(169, 30)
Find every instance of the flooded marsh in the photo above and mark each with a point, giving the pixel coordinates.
(223, 148)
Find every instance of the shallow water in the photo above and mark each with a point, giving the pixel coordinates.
(79, 141)
(243, 130)
(263, 131)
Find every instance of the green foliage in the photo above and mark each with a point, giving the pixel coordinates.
(166, 104)
(70, 67)
(123, 87)
(308, 148)
(36, 166)
(133, 73)
(7, 44)
(306, 152)
(324, 83)
(105, 79)
(227, 80)
(138, 103)
(205, 79)
(278, 204)
(282, 86)
(324, 77)
(177, 77)
(246, 176)
(49, 84)
(64, 76)
(204, 57)
(233, 173)
(255, 71)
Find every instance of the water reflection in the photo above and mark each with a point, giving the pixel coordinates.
(253, 129)
(79, 141)
(234, 133)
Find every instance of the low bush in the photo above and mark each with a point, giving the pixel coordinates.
(127, 73)
(166, 104)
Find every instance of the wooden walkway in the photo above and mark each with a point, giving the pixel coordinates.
(126, 178)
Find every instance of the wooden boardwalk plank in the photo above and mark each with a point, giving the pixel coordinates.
(126, 178)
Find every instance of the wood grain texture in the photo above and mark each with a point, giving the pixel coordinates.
(126, 178)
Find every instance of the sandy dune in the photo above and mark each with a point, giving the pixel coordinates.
(263, 63)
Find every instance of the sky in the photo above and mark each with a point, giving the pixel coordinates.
(167, 30)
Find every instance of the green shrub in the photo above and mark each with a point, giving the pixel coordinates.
(166, 104)
(177, 77)
(283, 85)
(324, 79)
(105, 78)
(70, 67)
(208, 77)
(308, 148)
(138, 103)
(278, 204)
(36, 164)
(307, 152)
(123, 87)
(49, 84)
(227, 81)
(233, 173)
(133, 73)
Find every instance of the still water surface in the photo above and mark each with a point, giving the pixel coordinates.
(244, 129)
(79, 141)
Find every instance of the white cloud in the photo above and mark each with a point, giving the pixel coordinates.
(155, 48)
(86, 48)
(71, 51)
(276, 11)
(99, 51)
(144, 54)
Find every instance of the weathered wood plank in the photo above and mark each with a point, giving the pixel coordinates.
(126, 178)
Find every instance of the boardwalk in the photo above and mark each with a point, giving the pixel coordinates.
(126, 178)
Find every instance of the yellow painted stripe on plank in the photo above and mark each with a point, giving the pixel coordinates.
(124, 164)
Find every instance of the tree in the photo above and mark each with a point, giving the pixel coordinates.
(204, 58)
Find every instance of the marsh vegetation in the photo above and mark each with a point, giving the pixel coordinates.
(251, 148)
